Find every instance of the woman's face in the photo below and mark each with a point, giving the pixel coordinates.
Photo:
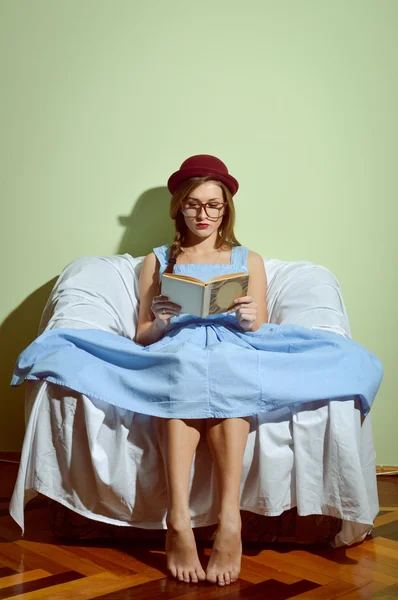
(199, 223)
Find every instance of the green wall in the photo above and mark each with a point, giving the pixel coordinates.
(102, 100)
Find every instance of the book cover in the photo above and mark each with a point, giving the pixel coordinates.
(223, 293)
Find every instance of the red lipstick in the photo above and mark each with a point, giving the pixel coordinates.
(202, 225)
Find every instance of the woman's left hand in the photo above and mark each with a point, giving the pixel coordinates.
(246, 312)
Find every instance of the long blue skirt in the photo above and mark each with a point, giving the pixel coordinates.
(205, 368)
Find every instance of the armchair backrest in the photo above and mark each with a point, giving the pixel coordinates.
(102, 292)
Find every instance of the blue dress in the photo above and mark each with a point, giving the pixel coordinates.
(205, 368)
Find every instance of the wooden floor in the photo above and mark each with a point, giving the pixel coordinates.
(39, 566)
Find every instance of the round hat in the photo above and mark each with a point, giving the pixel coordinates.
(203, 165)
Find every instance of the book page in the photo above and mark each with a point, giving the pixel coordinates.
(183, 278)
(223, 293)
(188, 294)
(226, 277)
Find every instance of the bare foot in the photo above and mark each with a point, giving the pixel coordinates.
(182, 557)
(224, 563)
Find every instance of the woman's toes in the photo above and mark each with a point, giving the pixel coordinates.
(220, 579)
(193, 576)
(186, 576)
(180, 575)
(201, 575)
(227, 578)
(211, 577)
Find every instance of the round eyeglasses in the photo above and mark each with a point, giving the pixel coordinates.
(212, 209)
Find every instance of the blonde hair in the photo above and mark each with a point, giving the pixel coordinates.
(226, 229)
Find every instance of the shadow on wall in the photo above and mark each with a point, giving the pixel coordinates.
(148, 226)
(17, 331)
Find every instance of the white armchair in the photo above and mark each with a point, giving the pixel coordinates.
(104, 463)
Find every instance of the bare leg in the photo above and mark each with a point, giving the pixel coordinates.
(178, 441)
(227, 439)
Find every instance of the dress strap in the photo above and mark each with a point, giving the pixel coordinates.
(162, 254)
(239, 256)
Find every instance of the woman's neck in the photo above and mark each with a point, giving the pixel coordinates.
(201, 246)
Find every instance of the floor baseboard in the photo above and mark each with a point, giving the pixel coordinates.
(386, 470)
(10, 457)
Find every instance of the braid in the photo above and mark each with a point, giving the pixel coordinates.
(175, 251)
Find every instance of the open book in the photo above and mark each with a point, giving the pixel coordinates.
(202, 299)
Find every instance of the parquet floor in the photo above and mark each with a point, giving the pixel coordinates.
(40, 567)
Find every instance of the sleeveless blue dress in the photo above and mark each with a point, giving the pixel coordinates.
(205, 368)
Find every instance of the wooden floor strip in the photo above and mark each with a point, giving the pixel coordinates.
(387, 518)
(388, 593)
(388, 530)
(16, 557)
(268, 557)
(27, 587)
(336, 564)
(107, 559)
(385, 556)
(365, 592)
(162, 588)
(5, 571)
(140, 559)
(63, 556)
(87, 588)
(256, 572)
(382, 541)
(331, 590)
(12, 580)
(281, 591)
(170, 589)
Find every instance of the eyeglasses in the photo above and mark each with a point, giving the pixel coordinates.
(212, 209)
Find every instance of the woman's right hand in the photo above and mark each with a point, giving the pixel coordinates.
(164, 310)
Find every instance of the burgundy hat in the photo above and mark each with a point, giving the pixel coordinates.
(202, 165)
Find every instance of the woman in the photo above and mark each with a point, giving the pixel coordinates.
(204, 376)
(203, 210)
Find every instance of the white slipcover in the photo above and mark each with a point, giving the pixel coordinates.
(104, 462)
